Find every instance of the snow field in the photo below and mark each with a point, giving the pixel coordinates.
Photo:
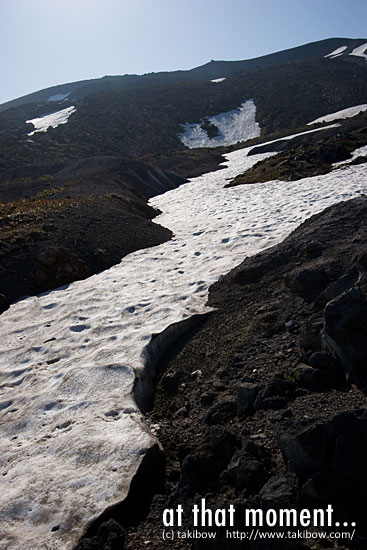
(336, 52)
(344, 113)
(234, 126)
(42, 123)
(72, 436)
(360, 51)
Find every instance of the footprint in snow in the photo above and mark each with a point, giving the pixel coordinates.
(79, 328)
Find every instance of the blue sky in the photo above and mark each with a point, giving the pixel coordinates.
(48, 42)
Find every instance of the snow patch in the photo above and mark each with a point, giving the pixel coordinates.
(233, 126)
(336, 52)
(54, 119)
(360, 51)
(58, 97)
(218, 80)
(344, 113)
(72, 435)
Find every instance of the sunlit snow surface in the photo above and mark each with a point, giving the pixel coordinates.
(336, 52)
(58, 97)
(217, 80)
(360, 51)
(234, 126)
(42, 123)
(72, 436)
(344, 113)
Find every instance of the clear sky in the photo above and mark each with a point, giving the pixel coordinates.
(48, 42)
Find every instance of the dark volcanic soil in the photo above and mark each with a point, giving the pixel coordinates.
(305, 156)
(265, 404)
(61, 223)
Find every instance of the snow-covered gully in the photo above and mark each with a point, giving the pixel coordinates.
(73, 436)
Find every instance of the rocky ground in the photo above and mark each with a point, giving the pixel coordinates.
(308, 155)
(264, 405)
(60, 223)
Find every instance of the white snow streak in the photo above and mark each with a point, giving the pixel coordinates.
(54, 119)
(336, 52)
(218, 80)
(72, 436)
(360, 51)
(234, 126)
(58, 97)
(344, 113)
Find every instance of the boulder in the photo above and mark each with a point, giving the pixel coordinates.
(110, 536)
(246, 395)
(310, 378)
(221, 411)
(308, 282)
(305, 449)
(344, 330)
(279, 492)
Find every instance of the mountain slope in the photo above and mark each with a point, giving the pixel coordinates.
(148, 121)
(211, 70)
(61, 223)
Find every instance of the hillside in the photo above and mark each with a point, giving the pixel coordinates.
(166, 341)
(148, 121)
(212, 70)
(62, 223)
(268, 418)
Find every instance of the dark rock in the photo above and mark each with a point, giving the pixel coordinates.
(305, 449)
(310, 378)
(342, 423)
(182, 412)
(311, 335)
(359, 160)
(361, 258)
(276, 394)
(197, 470)
(207, 398)
(245, 471)
(221, 411)
(324, 361)
(170, 382)
(222, 443)
(307, 282)
(246, 395)
(266, 403)
(350, 457)
(345, 330)
(39, 278)
(324, 486)
(4, 304)
(278, 416)
(279, 492)
(312, 250)
(59, 266)
(103, 257)
(345, 282)
(110, 536)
